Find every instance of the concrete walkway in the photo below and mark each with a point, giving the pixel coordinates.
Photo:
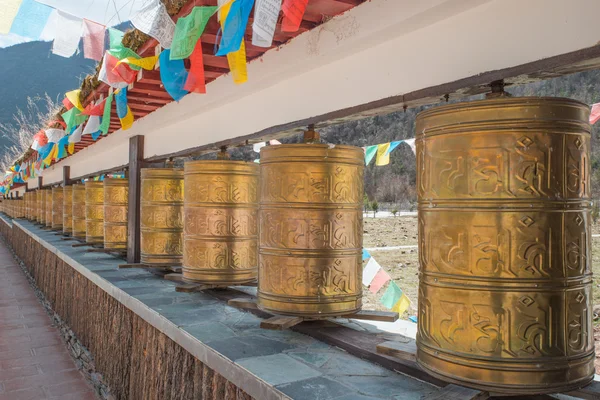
(34, 362)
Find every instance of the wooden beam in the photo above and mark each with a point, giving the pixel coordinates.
(136, 159)
(66, 175)
(40, 182)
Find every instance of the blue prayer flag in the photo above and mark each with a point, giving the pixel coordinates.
(366, 255)
(31, 19)
(235, 26)
(173, 75)
(393, 145)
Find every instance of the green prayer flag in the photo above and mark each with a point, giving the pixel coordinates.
(188, 30)
(115, 38)
(391, 295)
(106, 115)
(118, 50)
(72, 118)
(370, 153)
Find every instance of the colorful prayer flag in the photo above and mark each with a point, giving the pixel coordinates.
(391, 296)
(266, 14)
(155, 21)
(595, 114)
(93, 125)
(188, 31)
(115, 76)
(236, 60)
(257, 146)
(75, 137)
(393, 146)
(146, 63)
(173, 75)
(365, 254)
(10, 9)
(235, 26)
(383, 157)
(293, 12)
(380, 279)
(54, 135)
(74, 99)
(93, 40)
(370, 271)
(31, 19)
(67, 33)
(105, 125)
(94, 109)
(411, 143)
(196, 81)
(73, 117)
(370, 153)
(123, 111)
(116, 47)
(402, 305)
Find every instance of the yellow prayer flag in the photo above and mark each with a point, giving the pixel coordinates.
(402, 305)
(10, 8)
(383, 157)
(147, 63)
(127, 120)
(73, 97)
(51, 155)
(237, 59)
(71, 148)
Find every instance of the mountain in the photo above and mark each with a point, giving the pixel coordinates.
(31, 70)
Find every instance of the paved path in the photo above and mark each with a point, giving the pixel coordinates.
(34, 362)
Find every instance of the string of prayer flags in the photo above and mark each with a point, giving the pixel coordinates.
(67, 32)
(266, 14)
(393, 146)
(188, 31)
(595, 114)
(173, 75)
(155, 21)
(105, 124)
(380, 279)
(235, 26)
(383, 157)
(30, 19)
(93, 40)
(73, 97)
(54, 135)
(293, 12)
(146, 63)
(10, 8)
(123, 111)
(370, 270)
(196, 81)
(236, 60)
(365, 254)
(370, 153)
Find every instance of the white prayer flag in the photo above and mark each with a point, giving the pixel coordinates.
(411, 143)
(54, 135)
(67, 33)
(266, 13)
(274, 142)
(93, 125)
(49, 30)
(258, 146)
(155, 21)
(370, 271)
(76, 135)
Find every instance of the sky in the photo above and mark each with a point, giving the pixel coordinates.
(106, 12)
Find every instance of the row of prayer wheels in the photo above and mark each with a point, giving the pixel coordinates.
(14, 208)
(503, 188)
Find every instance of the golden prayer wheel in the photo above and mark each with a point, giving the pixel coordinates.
(221, 222)
(94, 212)
(42, 209)
(67, 210)
(310, 236)
(38, 201)
(57, 207)
(505, 299)
(161, 216)
(48, 208)
(78, 211)
(116, 192)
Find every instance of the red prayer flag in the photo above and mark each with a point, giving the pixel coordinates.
(595, 115)
(379, 280)
(67, 104)
(293, 12)
(195, 80)
(93, 40)
(118, 73)
(92, 109)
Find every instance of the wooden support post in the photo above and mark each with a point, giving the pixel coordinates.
(66, 175)
(136, 158)
(40, 182)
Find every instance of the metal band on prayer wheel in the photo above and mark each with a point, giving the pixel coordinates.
(116, 193)
(161, 216)
(505, 299)
(221, 222)
(67, 210)
(94, 212)
(48, 208)
(310, 243)
(78, 213)
(57, 207)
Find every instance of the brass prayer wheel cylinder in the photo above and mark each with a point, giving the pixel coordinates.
(43, 202)
(310, 235)
(116, 198)
(161, 214)
(38, 201)
(505, 299)
(57, 207)
(48, 208)
(78, 211)
(67, 210)
(220, 228)
(94, 212)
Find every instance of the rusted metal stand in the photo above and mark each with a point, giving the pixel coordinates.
(281, 322)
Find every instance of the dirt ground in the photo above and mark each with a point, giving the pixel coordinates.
(403, 264)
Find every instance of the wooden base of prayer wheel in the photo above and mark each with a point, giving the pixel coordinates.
(161, 216)
(57, 207)
(94, 212)
(310, 244)
(116, 192)
(221, 222)
(505, 299)
(67, 210)
(78, 211)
